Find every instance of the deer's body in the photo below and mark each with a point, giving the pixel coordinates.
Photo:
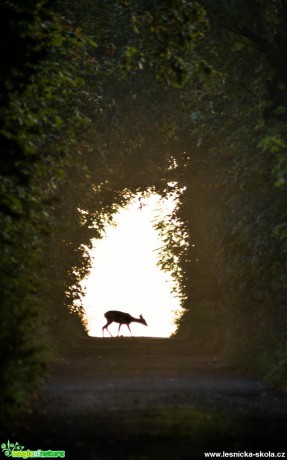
(114, 316)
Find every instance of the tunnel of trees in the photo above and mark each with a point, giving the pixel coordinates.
(102, 100)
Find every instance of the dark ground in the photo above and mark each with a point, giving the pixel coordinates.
(147, 398)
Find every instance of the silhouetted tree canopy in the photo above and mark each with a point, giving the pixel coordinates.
(101, 100)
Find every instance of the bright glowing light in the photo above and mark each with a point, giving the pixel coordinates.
(125, 276)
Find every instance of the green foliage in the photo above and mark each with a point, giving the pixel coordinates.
(235, 200)
(102, 101)
(33, 123)
(165, 35)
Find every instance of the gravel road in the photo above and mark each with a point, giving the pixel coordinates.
(148, 398)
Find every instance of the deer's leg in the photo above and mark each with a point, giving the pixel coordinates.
(103, 328)
(120, 324)
(130, 329)
(106, 327)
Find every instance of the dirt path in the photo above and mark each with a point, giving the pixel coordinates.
(150, 398)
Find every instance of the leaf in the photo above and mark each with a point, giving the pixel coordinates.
(280, 109)
(238, 46)
(130, 51)
(58, 40)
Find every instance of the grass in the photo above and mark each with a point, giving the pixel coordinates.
(172, 433)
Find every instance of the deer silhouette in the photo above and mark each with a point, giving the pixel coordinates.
(114, 316)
